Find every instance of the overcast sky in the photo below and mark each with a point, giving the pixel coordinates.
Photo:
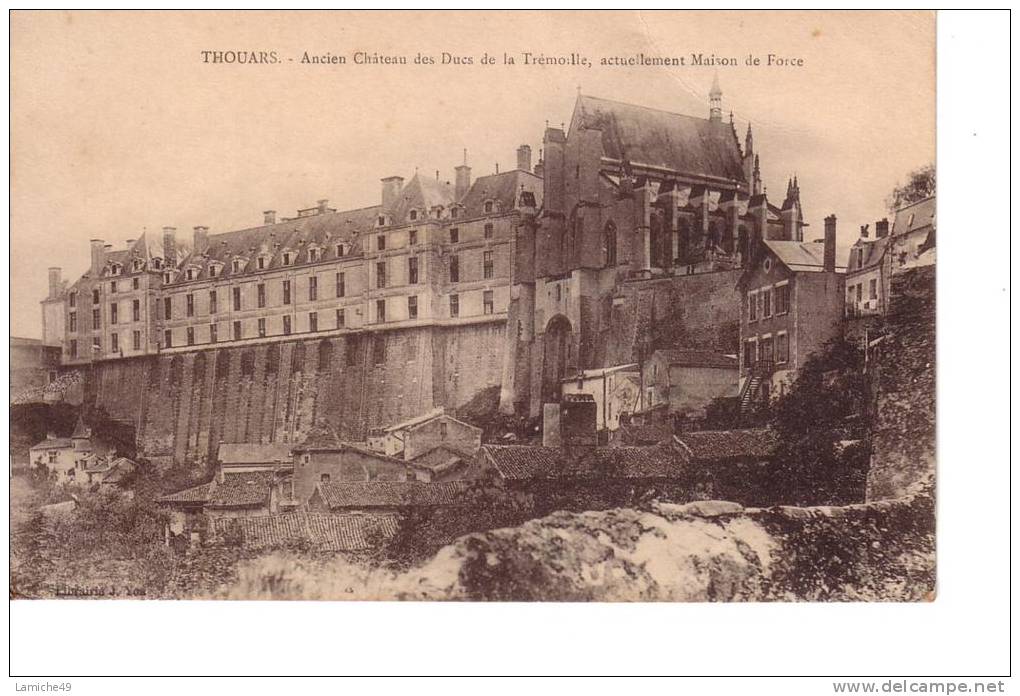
(119, 126)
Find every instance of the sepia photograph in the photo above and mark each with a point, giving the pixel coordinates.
(424, 306)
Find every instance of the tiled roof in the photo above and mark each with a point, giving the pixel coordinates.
(321, 437)
(415, 420)
(524, 462)
(120, 470)
(195, 494)
(728, 444)
(800, 256)
(241, 490)
(367, 494)
(648, 434)
(326, 530)
(441, 459)
(699, 358)
(684, 144)
(246, 453)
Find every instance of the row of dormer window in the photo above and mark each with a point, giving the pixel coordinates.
(436, 213)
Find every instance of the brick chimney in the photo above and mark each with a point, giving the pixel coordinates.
(524, 158)
(98, 256)
(323, 205)
(269, 217)
(462, 180)
(882, 228)
(391, 186)
(54, 277)
(201, 239)
(829, 260)
(170, 246)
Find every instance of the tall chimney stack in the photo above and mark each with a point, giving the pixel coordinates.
(201, 239)
(882, 228)
(829, 259)
(462, 179)
(269, 217)
(54, 277)
(524, 158)
(391, 186)
(323, 205)
(170, 246)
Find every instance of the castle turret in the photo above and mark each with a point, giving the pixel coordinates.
(792, 215)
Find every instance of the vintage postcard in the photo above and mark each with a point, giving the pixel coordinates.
(551, 306)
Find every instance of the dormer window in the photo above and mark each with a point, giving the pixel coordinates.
(381, 222)
(287, 258)
(115, 269)
(313, 254)
(214, 270)
(489, 206)
(339, 250)
(157, 263)
(235, 267)
(261, 263)
(168, 278)
(138, 264)
(190, 274)
(413, 215)
(454, 212)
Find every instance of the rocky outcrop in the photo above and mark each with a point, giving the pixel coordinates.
(702, 551)
(903, 440)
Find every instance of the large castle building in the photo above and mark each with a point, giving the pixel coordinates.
(629, 234)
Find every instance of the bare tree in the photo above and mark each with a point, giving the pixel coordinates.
(919, 185)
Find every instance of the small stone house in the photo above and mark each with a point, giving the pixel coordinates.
(66, 458)
(615, 390)
(687, 381)
(415, 436)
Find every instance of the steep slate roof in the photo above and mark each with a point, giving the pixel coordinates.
(684, 144)
(196, 495)
(924, 216)
(328, 531)
(517, 462)
(241, 490)
(728, 444)
(698, 358)
(873, 251)
(504, 188)
(421, 193)
(364, 494)
(247, 453)
(800, 256)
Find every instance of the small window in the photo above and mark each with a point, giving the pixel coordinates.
(136, 310)
(212, 333)
(136, 340)
(72, 322)
(95, 319)
(412, 237)
(191, 336)
(443, 430)
(167, 308)
(235, 266)
(168, 338)
(134, 283)
(412, 307)
(766, 303)
(286, 292)
(324, 478)
(341, 286)
(114, 342)
(454, 269)
(339, 251)
(313, 254)
(412, 270)
(190, 305)
(488, 230)
(487, 264)
(380, 242)
(380, 274)
(113, 313)
(72, 299)
(487, 302)
(286, 325)
(454, 235)
(95, 296)
(214, 270)
(72, 348)
(237, 331)
(873, 289)
(454, 306)
(313, 288)
(287, 258)
(340, 319)
(262, 327)
(212, 302)
(261, 262)
(190, 274)
(454, 212)
(261, 288)
(313, 321)
(237, 299)
(752, 306)
(380, 310)
(413, 215)
(381, 221)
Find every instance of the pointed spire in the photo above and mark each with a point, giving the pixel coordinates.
(716, 90)
(715, 101)
(748, 140)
